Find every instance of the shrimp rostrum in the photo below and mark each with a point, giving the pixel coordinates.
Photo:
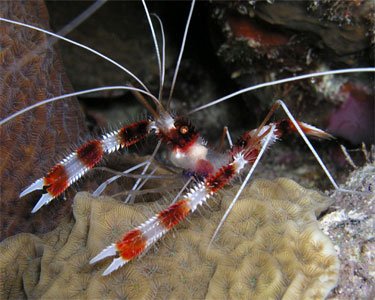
(212, 170)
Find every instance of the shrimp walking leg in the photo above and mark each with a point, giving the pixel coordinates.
(74, 166)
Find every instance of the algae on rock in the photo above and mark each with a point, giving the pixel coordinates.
(269, 247)
(350, 226)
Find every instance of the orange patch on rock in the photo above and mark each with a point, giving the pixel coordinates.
(246, 28)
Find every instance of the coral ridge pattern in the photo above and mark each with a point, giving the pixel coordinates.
(270, 247)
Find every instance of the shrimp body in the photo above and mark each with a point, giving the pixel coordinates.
(244, 153)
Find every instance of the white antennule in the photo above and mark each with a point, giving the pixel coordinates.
(155, 42)
(280, 81)
(103, 186)
(88, 12)
(106, 88)
(79, 45)
(138, 182)
(162, 76)
(181, 52)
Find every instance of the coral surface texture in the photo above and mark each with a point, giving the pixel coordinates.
(270, 247)
(31, 71)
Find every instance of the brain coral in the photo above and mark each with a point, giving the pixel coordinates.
(269, 248)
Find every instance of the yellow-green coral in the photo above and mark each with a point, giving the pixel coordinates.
(269, 248)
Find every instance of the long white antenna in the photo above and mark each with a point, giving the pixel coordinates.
(79, 45)
(104, 185)
(138, 182)
(181, 190)
(162, 76)
(105, 88)
(181, 52)
(81, 17)
(153, 38)
(280, 81)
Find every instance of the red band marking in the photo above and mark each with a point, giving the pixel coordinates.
(221, 178)
(90, 153)
(251, 155)
(286, 126)
(182, 137)
(174, 214)
(131, 134)
(132, 244)
(56, 180)
(182, 143)
(203, 168)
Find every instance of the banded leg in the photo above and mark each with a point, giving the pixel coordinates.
(74, 166)
(136, 241)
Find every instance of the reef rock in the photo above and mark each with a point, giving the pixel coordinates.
(350, 226)
(270, 247)
(266, 40)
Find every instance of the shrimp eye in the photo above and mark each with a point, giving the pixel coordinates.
(184, 130)
(241, 143)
